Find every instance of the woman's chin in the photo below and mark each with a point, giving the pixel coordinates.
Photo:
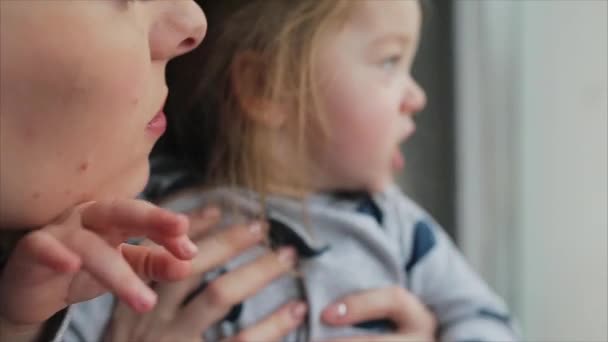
(126, 186)
(138, 184)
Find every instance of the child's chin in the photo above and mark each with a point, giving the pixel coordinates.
(380, 185)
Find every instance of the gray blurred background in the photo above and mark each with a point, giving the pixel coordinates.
(511, 154)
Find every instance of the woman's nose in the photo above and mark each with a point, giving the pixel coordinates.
(179, 30)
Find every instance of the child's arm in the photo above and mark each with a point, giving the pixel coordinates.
(466, 308)
(81, 256)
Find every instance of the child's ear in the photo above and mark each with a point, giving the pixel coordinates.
(249, 80)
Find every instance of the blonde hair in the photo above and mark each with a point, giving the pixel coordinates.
(211, 124)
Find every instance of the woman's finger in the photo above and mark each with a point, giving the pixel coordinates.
(276, 326)
(135, 218)
(224, 244)
(180, 246)
(393, 303)
(215, 250)
(138, 214)
(202, 221)
(45, 249)
(154, 263)
(108, 267)
(383, 338)
(121, 324)
(232, 288)
(37, 257)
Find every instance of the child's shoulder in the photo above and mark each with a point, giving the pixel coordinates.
(394, 199)
(418, 232)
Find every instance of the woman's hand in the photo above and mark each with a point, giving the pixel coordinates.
(176, 319)
(81, 255)
(413, 321)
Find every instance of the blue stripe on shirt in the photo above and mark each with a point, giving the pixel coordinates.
(424, 240)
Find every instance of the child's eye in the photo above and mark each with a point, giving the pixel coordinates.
(391, 62)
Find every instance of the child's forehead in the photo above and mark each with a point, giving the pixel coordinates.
(380, 16)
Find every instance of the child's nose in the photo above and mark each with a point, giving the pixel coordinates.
(414, 99)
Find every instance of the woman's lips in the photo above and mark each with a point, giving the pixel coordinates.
(158, 124)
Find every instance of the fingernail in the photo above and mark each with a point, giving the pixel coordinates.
(298, 311)
(340, 310)
(145, 300)
(255, 228)
(212, 212)
(188, 248)
(287, 255)
(208, 213)
(183, 218)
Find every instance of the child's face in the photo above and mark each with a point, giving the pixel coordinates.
(369, 95)
(81, 84)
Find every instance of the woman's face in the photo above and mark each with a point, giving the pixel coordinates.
(82, 87)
